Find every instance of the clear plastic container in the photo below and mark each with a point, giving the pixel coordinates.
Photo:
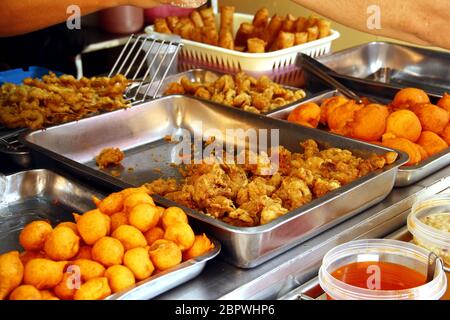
(380, 251)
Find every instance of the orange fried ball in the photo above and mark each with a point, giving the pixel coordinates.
(33, 236)
(84, 253)
(446, 134)
(165, 254)
(11, 272)
(94, 289)
(130, 237)
(126, 192)
(138, 261)
(108, 251)
(93, 225)
(369, 123)
(307, 114)
(407, 146)
(410, 97)
(431, 117)
(340, 117)
(444, 102)
(111, 204)
(25, 292)
(432, 143)
(118, 219)
(48, 295)
(65, 290)
(26, 256)
(144, 217)
(180, 233)
(89, 269)
(154, 234)
(403, 124)
(328, 105)
(43, 273)
(172, 215)
(68, 224)
(201, 246)
(62, 244)
(119, 278)
(423, 152)
(136, 198)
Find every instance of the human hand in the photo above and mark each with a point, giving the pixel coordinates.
(176, 3)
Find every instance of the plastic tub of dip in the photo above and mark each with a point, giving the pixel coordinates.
(380, 269)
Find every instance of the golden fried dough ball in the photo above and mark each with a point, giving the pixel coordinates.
(369, 123)
(328, 105)
(432, 143)
(26, 256)
(33, 236)
(144, 216)
(180, 233)
(307, 114)
(44, 273)
(340, 117)
(138, 261)
(25, 292)
(93, 225)
(94, 289)
(108, 251)
(65, 290)
(89, 269)
(165, 254)
(423, 152)
(11, 272)
(172, 215)
(406, 146)
(136, 198)
(446, 134)
(48, 295)
(126, 192)
(410, 97)
(69, 224)
(119, 278)
(84, 253)
(404, 124)
(118, 219)
(130, 237)
(62, 244)
(431, 117)
(111, 204)
(444, 102)
(154, 234)
(201, 246)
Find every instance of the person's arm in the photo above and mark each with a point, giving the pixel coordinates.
(420, 21)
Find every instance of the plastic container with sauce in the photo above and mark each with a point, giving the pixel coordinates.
(380, 269)
(429, 223)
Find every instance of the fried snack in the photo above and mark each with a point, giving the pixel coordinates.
(307, 115)
(196, 19)
(185, 28)
(208, 17)
(137, 198)
(328, 105)
(43, 273)
(130, 237)
(69, 224)
(172, 215)
(84, 253)
(161, 26)
(89, 269)
(340, 117)
(175, 88)
(261, 18)
(300, 38)
(144, 217)
(210, 36)
(108, 251)
(256, 45)
(403, 124)
(119, 278)
(138, 261)
(369, 123)
(324, 28)
(109, 157)
(65, 290)
(289, 23)
(48, 295)
(11, 273)
(165, 254)
(423, 153)
(25, 292)
(129, 191)
(62, 244)
(313, 33)
(446, 134)
(409, 97)
(283, 40)
(201, 246)
(272, 30)
(431, 117)
(432, 143)
(26, 256)
(111, 204)
(300, 24)
(33, 236)
(181, 234)
(94, 289)
(93, 225)
(227, 19)
(154, 234)
(407, 146)
(226, 39)
(444, 102)
(118, 219)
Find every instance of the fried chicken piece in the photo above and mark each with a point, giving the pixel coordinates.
(241, 218)
(322, 186)
(272, 210)
(294, 193)
(109, 157)
(162, 186)
(254, 189)
(218, 206)
(203, 93)
(174, 88)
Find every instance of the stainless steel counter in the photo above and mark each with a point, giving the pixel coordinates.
(280, 275)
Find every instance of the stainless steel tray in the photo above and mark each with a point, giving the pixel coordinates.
(42, 194)
(388, 65)
(140, 132)
(406, 175)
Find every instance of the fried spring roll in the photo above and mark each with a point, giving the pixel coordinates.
(284, 40)
(246, 31)
(301, 38)
(208, 17)
(197, 19)
(324, 28)
(312, 21)
(172, 22)
(313, 33)
(272, 30)
(289, 23)
(226, 39)
(197, 35)
(210, 36)
(227, 18)
(256, 45)
(161, 26)
(300, 24)
(261, 18)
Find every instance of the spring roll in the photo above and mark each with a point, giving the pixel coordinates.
(210, 36)
(261, 18)
(256, 45)
(301, 38)
(172, 22)
(161, 26)
(313, 33)
(324, 28)
(208, 17)
(226, 39)
(289, 23)
(197, 35)
(312, 21)
(300, 24)
(284, 40)
(272, 30)
(197, 19)
(245, 32)
(227, 18)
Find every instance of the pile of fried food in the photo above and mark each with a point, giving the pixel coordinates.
(53, 100)
(240, 91)
(245, 195)
(125, 240)
(262, 35)
(109, 157)
(410, 123)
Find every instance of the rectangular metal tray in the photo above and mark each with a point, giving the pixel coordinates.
(44, 195)
(388, 65)
(140, 133)
(406, 175)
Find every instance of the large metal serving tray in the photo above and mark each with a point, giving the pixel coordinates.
(44, 195)
(406, 175)
(391, 66)
(140, 132)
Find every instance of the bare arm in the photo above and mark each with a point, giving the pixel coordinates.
(420, 21)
